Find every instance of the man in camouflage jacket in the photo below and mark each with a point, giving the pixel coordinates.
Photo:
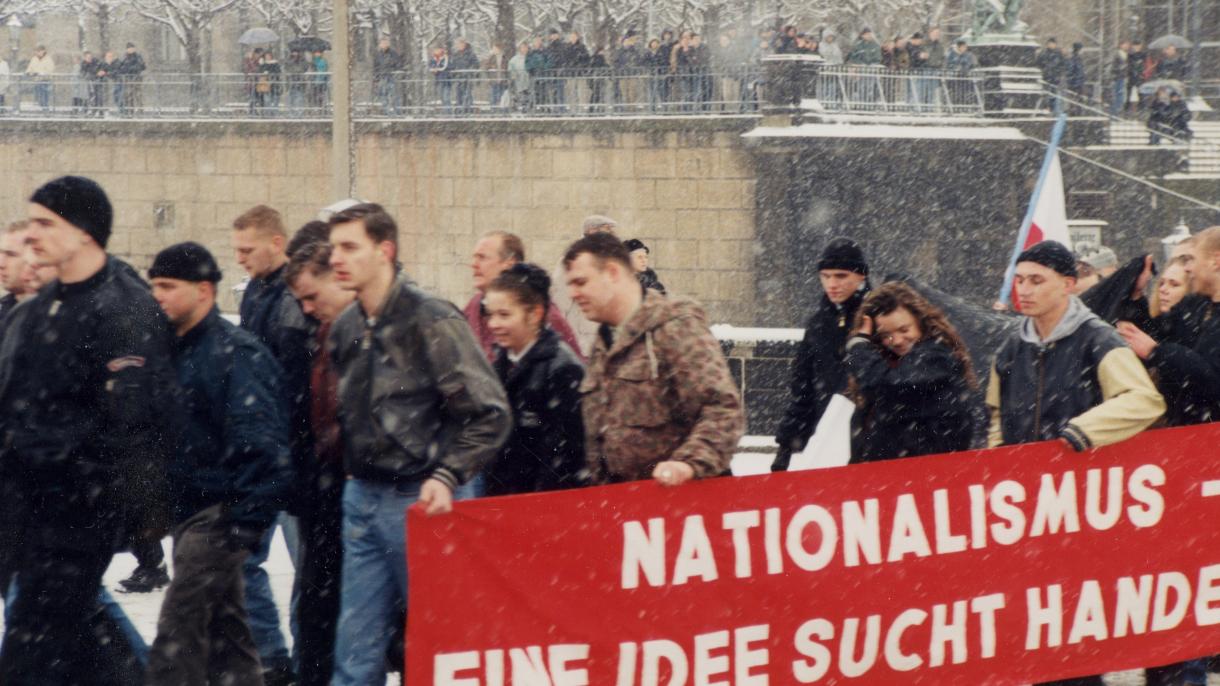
(658, 399)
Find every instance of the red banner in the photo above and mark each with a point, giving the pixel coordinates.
(1003, 566)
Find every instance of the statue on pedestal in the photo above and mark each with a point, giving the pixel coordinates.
(996, 19)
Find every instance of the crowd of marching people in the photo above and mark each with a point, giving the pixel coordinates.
(348, 394)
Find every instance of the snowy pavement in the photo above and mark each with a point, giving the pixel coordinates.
(143, 608)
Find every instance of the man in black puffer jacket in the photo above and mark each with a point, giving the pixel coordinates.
(818, 372)
(228, 478)
(88, 387)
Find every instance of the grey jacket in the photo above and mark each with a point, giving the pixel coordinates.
(417, 397)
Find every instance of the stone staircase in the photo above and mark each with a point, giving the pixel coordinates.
(1203, 152)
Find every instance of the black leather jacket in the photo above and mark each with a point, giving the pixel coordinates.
(417, 397)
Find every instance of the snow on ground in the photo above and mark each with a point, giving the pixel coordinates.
(143, 608)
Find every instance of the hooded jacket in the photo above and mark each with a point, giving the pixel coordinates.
(546, 450)
(417, 398)
(234, 449)
(818, 372)
(1082, 384)
(660, 390)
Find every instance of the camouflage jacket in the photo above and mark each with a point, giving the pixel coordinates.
(662, 391)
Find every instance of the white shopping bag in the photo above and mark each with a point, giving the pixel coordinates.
(830, 445)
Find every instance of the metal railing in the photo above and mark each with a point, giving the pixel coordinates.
(876, 89)
(475, 94)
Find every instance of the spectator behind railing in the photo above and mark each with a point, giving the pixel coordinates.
(464, 64)
(40, 68)
(386, 65)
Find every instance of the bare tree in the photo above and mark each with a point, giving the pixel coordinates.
(188, 20)
(302, 17)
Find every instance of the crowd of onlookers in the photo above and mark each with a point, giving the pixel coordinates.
(1143, 82)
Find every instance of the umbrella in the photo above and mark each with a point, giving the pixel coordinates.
(981, 328)
(308, 44)
(1171, 39)
(259, 36)
(1150, 87)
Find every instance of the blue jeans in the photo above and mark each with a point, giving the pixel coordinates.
(42, 94)
(264, 618)
(1118, 96)
(374, 578)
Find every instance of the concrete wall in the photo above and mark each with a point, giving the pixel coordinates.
(686, 188)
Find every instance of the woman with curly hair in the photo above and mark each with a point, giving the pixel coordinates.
(911, 377)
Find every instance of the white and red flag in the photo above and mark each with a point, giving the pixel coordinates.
(1046, 218)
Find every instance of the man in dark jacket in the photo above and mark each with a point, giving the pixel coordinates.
(86, 374)
(131, 71)
(1053, 64)
(422, 413)
(387, 64)
(270, 312)
(313, 283)
(230, 473)
(465, 67)
(1066, 375)
(818, 372)
(1136, 61)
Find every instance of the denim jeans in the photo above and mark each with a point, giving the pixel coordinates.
(42, 94)
(264, 618)
(1118, 96)
(374, 578)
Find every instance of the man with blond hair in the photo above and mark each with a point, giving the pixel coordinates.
(269, 311)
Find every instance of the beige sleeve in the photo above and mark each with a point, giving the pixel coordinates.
(1130, 402)
(994, 435)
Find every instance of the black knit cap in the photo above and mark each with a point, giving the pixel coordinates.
(81, 202)
(1052, 255)
(635, 244)
(843, 253)
(186, 262)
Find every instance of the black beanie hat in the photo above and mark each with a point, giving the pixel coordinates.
(185, 261)
(843, 253)
(81, 202)
(1052, 255)
(635, 244)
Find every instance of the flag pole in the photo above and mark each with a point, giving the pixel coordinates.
(1052, 149)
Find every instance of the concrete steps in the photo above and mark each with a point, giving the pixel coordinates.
(1203, 152)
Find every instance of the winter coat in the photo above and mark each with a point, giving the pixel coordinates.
(537, 62)
(961, 62)
(477, 319)
(464, 61)
(918, 55)
(386, 62)
(1189, 375)
(1052, 64)
(936, 54)
(234, 448)
(575, 55)
(1082, 384)
(546, 449)
(1075, 74)
(649, 279)
(269, 311)
(40, 66)
(831, 52)
(1135, 68)
(557, 55)
(628, 57)
(919, 404)
(818, 371)
(1184, 323)
(519, 73)
(131, 66)
(417, 398)
(659, 389)
(1174, 69)
(865, 53)
(86, 375)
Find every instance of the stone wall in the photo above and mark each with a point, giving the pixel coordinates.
(686, 188)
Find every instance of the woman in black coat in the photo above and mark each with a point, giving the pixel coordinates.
(542, 375)
(912, 378)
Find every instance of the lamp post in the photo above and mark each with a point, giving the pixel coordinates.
(1179, 233)
(14, 38)
(342, 156)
